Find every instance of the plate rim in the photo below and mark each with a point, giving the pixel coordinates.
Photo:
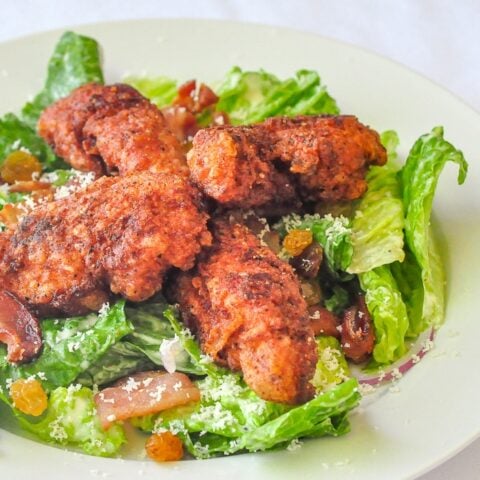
(294, 31)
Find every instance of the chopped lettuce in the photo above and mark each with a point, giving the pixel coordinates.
(159, 90)
(388, 311)
(120, 360)
(377, 228)
(250, 97)
(142, 348)
(408, 277)
(230, 417)
(332, 367)
(71, 419)
(202, 363)
(390, 141)
(10, 197)
(332, 233)
(338, 300)
(15, 134)
(70, 347)
(75, 61)
(419, 177)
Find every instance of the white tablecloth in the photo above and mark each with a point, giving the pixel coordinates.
(438, 38)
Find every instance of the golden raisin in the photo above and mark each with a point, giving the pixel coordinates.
(29, 396)
(20, 166)
(297, 241)
(164, 447)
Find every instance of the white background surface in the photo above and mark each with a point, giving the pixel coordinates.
(439, 39)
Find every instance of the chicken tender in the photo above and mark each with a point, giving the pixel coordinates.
(246, 307)
(329, 155)
(110, 129)
(120, 235)
(231, 165)
(325, 157)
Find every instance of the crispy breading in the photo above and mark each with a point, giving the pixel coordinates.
(329, 155)
(246, 307)
(325, 157)
(120, 235)
(230, 164)
(110, 129)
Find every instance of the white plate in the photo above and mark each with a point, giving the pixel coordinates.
(437, 411)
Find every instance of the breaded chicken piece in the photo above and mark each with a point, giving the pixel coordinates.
(110, 129)
(231, 165)
(246, 307)
(329, 155)
(120, 235)
(61, 126)
(326, 157)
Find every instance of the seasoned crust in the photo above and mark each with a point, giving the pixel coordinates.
(118, 235)
(283, 159)
(110, 129)
(246, 307)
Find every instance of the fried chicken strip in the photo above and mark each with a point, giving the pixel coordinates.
(326, 157)
(231, 165)
(120, 235)
(110, 129)
(246, 307)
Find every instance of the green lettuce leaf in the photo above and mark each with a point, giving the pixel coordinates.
(10, 197)
(250, 97)
(75, 61)
(15, 134)
(120, 360)
(377, 228)
(71, 420)
(419, 178)
(141, 348)
(408, 277)
(388, 311)
(70, 347)
(332, 367)
(159, 90)
(338, 301)
(230, 417)
(332, 233)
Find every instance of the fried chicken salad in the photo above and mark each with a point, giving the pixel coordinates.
(205, 262)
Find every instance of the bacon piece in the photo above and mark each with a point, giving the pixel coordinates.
(144, 393)
(358, 336)
(323, 321)
(19, 329)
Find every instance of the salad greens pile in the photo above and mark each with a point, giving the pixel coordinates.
(382, 244)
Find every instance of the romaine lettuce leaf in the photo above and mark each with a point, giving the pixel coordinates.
(250, 97)
(338, 300)
(120, 360)
(377, 227)
(70, 347)
(71, 419)
(388, 311)
(419, 178)
(15, 134)
(332, 233)
(332, 367)
(75, 61)
(141, 349)
(408, 277)
(230, 417)
(159, 90)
